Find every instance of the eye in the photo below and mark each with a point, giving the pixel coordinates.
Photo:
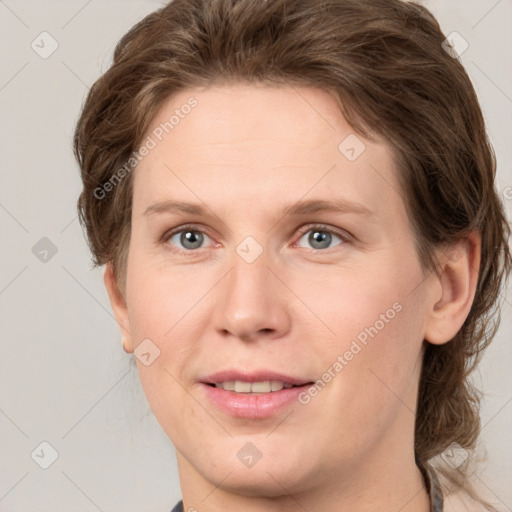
(189, 237)
(321, 237)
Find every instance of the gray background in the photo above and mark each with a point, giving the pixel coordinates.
(65, 378)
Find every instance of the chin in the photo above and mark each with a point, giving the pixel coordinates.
(253, 482)
(269, 476)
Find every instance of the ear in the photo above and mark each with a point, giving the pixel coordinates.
(453, 289)
(118, 303)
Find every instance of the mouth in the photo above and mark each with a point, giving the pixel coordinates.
(255, 396)
(253, 388)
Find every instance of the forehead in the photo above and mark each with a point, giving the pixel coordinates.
(246, 143)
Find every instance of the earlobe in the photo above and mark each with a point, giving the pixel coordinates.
(457, 279)
(118, 303)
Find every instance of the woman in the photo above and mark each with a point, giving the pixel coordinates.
(294, 201)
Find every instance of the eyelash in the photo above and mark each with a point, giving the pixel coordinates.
(302, 231)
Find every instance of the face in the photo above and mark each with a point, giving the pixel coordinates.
(270, 247)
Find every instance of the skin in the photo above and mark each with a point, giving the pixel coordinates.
(247, 152)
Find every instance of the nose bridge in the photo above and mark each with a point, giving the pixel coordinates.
(248, 280)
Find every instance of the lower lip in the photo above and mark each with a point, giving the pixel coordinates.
(245, 405)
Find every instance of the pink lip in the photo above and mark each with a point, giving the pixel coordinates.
(251, 406)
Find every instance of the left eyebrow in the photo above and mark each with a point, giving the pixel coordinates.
(321, 205)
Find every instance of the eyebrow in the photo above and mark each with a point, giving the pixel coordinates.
(296, 209)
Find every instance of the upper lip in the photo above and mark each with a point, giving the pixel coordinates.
(255, 376)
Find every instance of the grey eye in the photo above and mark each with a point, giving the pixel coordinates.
(319, 238)
(189, 239)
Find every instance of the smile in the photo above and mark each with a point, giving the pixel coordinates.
(266, 386)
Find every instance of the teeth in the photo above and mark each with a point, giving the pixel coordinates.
(276, 385)
(242, 387)
(266, 386)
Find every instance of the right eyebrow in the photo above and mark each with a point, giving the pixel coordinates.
(175, 206)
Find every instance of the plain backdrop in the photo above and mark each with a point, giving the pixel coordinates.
(65, 379)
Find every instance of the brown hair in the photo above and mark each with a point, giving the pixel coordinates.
(384, 61)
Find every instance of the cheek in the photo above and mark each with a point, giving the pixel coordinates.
(376, 322)
(353, 303)
(373, 363)
(168, 305)
(162, 297)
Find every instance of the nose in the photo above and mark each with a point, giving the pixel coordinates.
(253, 302)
